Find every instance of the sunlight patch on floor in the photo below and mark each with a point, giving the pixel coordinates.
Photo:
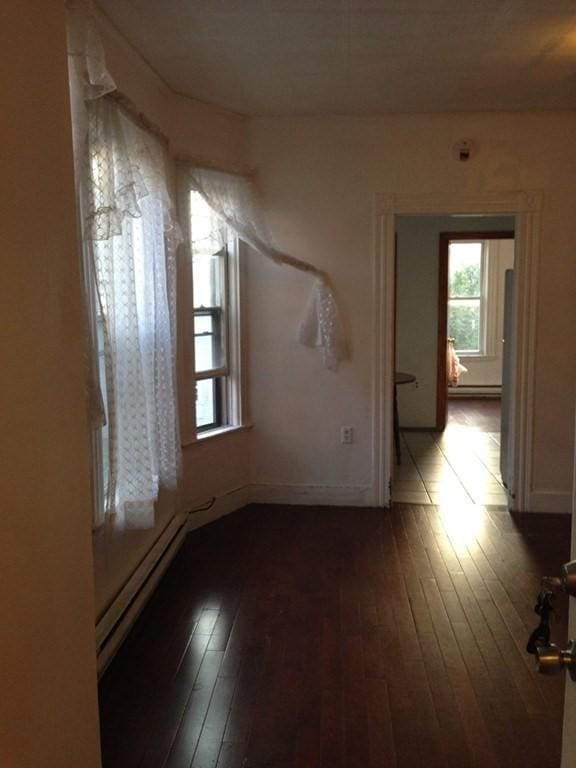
(463, 525)
(460, 466)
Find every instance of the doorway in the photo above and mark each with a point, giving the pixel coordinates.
(472, 303)
(524, 208)
(450, 283)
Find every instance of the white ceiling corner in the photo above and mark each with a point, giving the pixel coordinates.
(358, 57)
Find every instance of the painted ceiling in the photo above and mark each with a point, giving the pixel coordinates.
(358, 57)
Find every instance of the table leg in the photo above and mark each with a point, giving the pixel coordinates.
(397, 427)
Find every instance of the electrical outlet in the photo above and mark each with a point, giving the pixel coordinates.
(346, 435)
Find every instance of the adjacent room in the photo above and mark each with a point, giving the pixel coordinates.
(453, 406)
(288, 392)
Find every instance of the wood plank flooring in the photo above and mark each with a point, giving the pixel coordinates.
(457, 466)
(474, 412)
(303, 637)
(460, 464)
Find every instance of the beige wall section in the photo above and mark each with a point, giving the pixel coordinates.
(319, 176)
(205, 134)
(48, 706)
(215, 467)
(417, 308)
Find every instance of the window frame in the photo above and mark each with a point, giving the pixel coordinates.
(220, 338)
(233, 399)
(483, 298)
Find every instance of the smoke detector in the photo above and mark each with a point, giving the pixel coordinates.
(463, 150)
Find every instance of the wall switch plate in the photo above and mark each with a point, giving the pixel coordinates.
(346, 435)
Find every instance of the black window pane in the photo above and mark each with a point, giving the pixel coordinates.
(208, 340)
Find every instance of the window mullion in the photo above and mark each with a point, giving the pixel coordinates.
(213, 373)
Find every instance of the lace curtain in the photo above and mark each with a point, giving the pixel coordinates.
(133, 239)
(130, 242)
(234, 199)
(85, 51)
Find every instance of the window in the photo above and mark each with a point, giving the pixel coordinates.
(215, 291)
(467, 296)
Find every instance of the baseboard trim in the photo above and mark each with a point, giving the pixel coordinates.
(550, 501)
(479, 392)
(313, 495)
(119, 617)
(117, 621)
(222, 505)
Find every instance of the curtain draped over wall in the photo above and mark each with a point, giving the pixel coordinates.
(131, 238)
(235, 200)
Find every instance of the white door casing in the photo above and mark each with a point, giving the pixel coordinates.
(526, 207)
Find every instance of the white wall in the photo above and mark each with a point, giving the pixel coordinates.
(319, 176)
(417, 309)
(48, 701)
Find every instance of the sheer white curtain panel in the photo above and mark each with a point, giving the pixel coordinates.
(86, 51)
(89, 79)
(133, 238)
(130, 238)
(235, 199)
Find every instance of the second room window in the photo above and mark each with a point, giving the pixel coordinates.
(214, 273)
(466, 297)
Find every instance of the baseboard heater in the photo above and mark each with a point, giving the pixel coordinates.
(115, 623)
(479, 391)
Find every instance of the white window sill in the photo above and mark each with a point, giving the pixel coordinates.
(212, 434)
(478, 358)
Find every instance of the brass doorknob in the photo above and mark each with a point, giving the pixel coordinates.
(551, 659)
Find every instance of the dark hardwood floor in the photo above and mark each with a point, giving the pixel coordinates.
(301, 637)
(475, 412)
